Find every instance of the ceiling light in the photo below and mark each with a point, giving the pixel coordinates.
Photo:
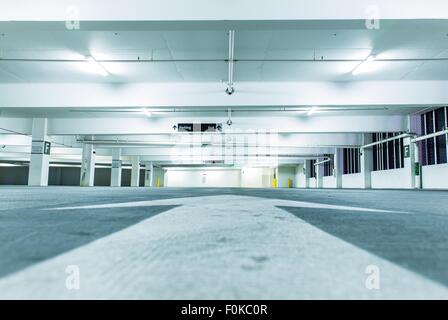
(312, 111)
(147, 112)
(365, 66)
(96, 67)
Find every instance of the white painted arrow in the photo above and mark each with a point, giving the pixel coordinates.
(219, 247)
(196, 200)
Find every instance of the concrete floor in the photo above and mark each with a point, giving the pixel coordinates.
(222, 243)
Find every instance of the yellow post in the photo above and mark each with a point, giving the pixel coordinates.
(274, 183)
(289, 183)
(158, 182)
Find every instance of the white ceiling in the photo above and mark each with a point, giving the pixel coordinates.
(395, 40)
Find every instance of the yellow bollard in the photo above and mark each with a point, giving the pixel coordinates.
(158, 182)
(289, 183)
(274, 183)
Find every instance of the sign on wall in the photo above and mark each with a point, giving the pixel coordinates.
(41, 147)
(116, 164)
(47, 147)
(407, 151)
(199, 127)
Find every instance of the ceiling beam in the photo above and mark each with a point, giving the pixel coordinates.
(200, 10)
(194, 94)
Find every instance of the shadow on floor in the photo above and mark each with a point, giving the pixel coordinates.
(418, 242)
(29, 236)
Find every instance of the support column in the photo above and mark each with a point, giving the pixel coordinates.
(366, 162)
(306, 173)
(149, 175)
(409, 162)
(115, 178)
(338, 166)
(319, 176)
(40, 154)
(87, 166)
(135, 175)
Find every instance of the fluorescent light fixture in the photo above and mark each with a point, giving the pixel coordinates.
(96, 67)
(312, 111)
(365, 66)
(147, 112)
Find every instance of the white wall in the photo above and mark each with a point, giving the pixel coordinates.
(313, 183)
(352, 181)
(300, 177)
(329, 182)
(159, 177)
(435, 177)
(285, 173)
(256, 177)
(202, 178)
(390, 179)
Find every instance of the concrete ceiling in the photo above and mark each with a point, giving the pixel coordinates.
(207, 50)
(171, 57)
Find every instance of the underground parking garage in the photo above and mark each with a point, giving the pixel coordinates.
(204, 153)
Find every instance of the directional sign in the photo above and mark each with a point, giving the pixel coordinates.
(47, 147)
(40, 147)
(199, 127)
(407, 151)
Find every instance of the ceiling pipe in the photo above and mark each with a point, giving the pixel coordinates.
(404, 135)
(230, 89)
(322, 162)
(221, 60)
(431, 135)
(226, 110)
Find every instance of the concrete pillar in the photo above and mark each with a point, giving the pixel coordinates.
(409, 162)
(417, 168)
(87, 166)
(115, 178)
(40, 154)
(306, 173)
(366, 162)
(135, 175)
(319, 175)
(338, 166)
(149, 175)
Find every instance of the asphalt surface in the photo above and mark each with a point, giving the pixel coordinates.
(138, 243)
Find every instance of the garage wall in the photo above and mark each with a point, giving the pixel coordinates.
(159, 177)
(435, 177)
(64, 176)
(300, 177)
(14, 175)
(390, 179)
(202, 178)
(257, 177)
(313, 183)
(329, 182)
(352, 181)
(285, 173)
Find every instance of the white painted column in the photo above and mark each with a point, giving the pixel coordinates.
(115, 178)
(338, 166)
(319, 176)
(306, 173)
(87, 166)
(417, 167)
(409, 162)
(135, 175)
(149, 175)
(40, 154)
(366, 162)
